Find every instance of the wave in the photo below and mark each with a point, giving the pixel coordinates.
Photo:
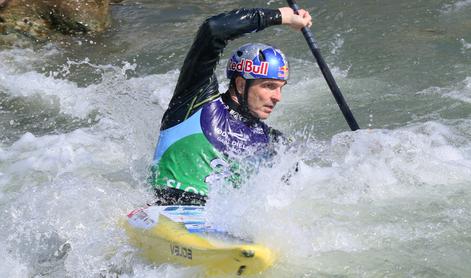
(460, 91)
(372, 192)
(457, 6)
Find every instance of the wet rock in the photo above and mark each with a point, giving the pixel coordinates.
(46, 19)
(80, 15)
(3, 3)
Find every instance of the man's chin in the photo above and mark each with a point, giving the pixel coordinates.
(263, 116)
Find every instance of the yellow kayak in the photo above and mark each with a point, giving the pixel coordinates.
(179, 235)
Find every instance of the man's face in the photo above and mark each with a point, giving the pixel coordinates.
(264, 94)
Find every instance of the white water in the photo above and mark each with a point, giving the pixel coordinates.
(356, 195)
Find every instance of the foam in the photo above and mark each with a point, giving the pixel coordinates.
(71, 189)
(81, 101)
(460, 91)
(466, 45)
(375, 176)
(64, 190)
(10, 266)
(458, 6)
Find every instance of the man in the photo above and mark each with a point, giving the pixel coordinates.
(205, 135)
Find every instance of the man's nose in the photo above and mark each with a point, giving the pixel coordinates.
(276, 97)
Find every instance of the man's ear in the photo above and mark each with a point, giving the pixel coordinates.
(240, 85)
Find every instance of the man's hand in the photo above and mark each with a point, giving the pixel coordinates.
(295, 21)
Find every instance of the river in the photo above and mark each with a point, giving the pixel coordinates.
(79, 121)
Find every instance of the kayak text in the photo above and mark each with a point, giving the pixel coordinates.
(181, 251)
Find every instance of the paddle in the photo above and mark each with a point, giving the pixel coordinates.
(326, 72)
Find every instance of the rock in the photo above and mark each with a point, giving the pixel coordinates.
(3, 3)
(42, 19)
(80, 15)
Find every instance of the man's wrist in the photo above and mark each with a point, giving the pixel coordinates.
(285, 13)
(274, 17)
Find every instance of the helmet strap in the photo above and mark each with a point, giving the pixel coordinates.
(245, 106)
(243, 100)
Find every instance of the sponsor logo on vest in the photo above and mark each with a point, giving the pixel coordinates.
(238, 135)
(247, 66)
(187, 188)
(180, 251)
(171, 183)
(236, 115)
(258, 130)
(221, 170)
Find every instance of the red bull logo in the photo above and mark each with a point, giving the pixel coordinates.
(283, 72)
(247, 66)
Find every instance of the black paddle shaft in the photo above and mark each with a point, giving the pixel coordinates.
(347, 113)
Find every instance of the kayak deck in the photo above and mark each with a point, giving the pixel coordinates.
(177, 234)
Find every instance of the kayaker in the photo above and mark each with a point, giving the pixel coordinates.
(206, 135)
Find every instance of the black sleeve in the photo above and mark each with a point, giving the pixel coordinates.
(197, 82)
